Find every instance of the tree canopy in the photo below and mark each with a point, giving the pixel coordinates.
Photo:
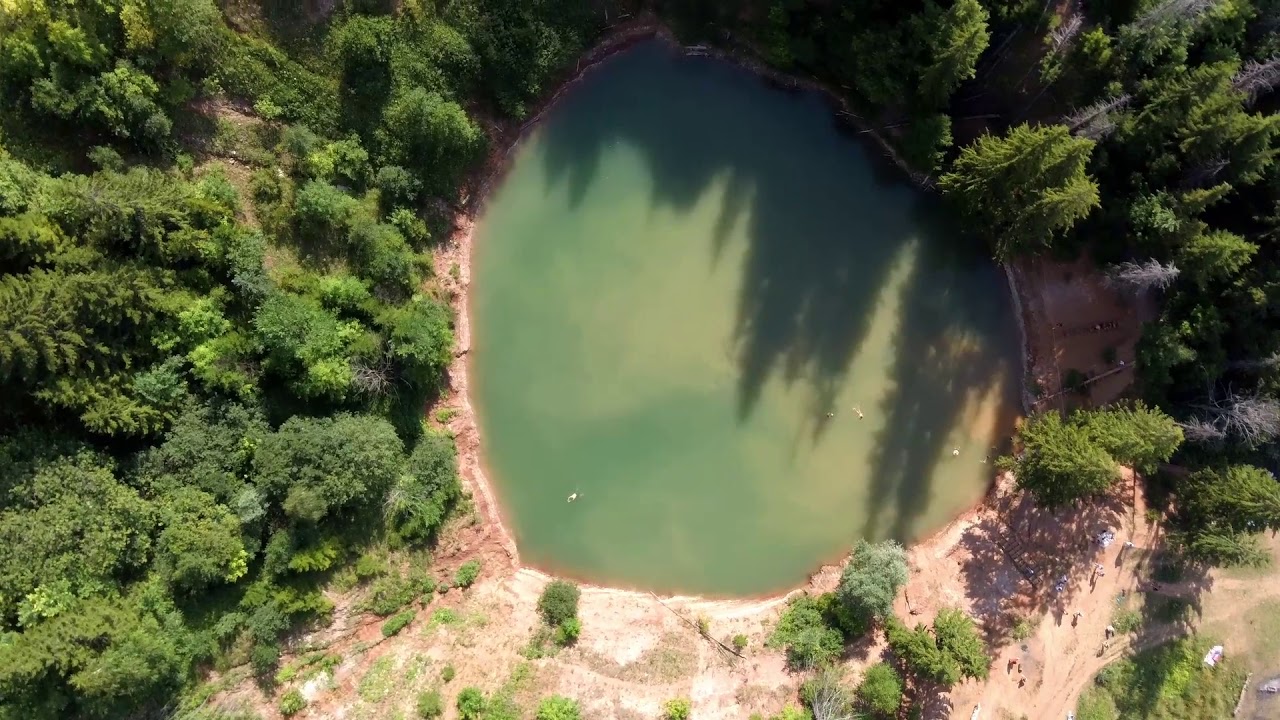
(949, 652)
(871, 580)
(1024, 189)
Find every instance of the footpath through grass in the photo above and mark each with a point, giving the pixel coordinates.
(1170, 682)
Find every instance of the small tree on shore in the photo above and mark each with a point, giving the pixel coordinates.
(952, 651)
(871, 581)
(880, 691)
(827, 696)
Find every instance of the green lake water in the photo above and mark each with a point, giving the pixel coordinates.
(682, 274)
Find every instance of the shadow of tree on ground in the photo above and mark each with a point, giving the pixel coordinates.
(1043, 547)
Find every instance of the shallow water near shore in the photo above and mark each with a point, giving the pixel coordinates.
(737, 336)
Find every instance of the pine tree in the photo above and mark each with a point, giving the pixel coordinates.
(1023, 189)
(1059, 462)
(957, 43)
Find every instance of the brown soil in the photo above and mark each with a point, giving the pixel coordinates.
(1071, 317)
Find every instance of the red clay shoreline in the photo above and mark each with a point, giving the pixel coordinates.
(495, 532)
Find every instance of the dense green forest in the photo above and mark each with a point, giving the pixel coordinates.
(213, 390)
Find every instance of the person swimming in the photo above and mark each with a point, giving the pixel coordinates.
(859, 411)
(573, 497)
(955, 452)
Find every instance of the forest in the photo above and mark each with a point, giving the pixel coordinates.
(214, 390)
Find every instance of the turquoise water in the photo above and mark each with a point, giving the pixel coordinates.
(683, 274)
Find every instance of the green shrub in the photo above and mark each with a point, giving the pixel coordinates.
(388, 595)
(444, 616)
(471, 703)
(1126, 620)
(558, 707)
(430, 705)
(292, 703)
(397, 622)
(369, 566)
(740, 642)
(567, 632)
(1022, 629)
(447, 673)
(806, 629)
(467, 574)
(676, 709)
(880, 690)
(558, 602)
(263, 658)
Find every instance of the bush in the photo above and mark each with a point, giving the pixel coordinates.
(558, 707)
(1022, 629)
(806, 630)
(558, 602)
(1126, 620)
(447, 673)
(430, 705)
(292, 703)
(870, 582)
(388, 595)
(739, 642)
(568, 631)
(467, 574)
(880, 690)
(471, 703)
(397, 622)
(676, 709)
(263, 658)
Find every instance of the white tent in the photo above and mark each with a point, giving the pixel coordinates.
(1214, 656)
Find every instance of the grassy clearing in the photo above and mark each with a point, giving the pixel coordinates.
(378, 681)
(668, 661)
(1259, 629)
(1169, 682)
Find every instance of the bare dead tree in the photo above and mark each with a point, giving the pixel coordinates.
(1061, 38)
(1142, 276)
(373, 378)
(1202, 432)
(1257, 78)
(831, 700)
(1204, 173)
(1267, 362)
(1172, 10)
(1094, 121)
(1251, 419)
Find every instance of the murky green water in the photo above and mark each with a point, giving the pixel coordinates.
(684, 272)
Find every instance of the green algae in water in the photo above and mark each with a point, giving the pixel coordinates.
(685, 289)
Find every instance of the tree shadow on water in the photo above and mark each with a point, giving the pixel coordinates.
(822, 225)
(948, 354)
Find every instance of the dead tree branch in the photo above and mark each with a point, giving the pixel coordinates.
(1095, 121)
(1257, 78)
(1142, 276)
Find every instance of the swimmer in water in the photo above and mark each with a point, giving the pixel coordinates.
(831, 414)
(859, 411)
(955, 452)
(573, 497)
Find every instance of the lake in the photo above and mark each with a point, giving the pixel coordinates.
(736, 332)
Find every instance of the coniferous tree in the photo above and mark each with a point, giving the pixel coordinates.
(1024, 189)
